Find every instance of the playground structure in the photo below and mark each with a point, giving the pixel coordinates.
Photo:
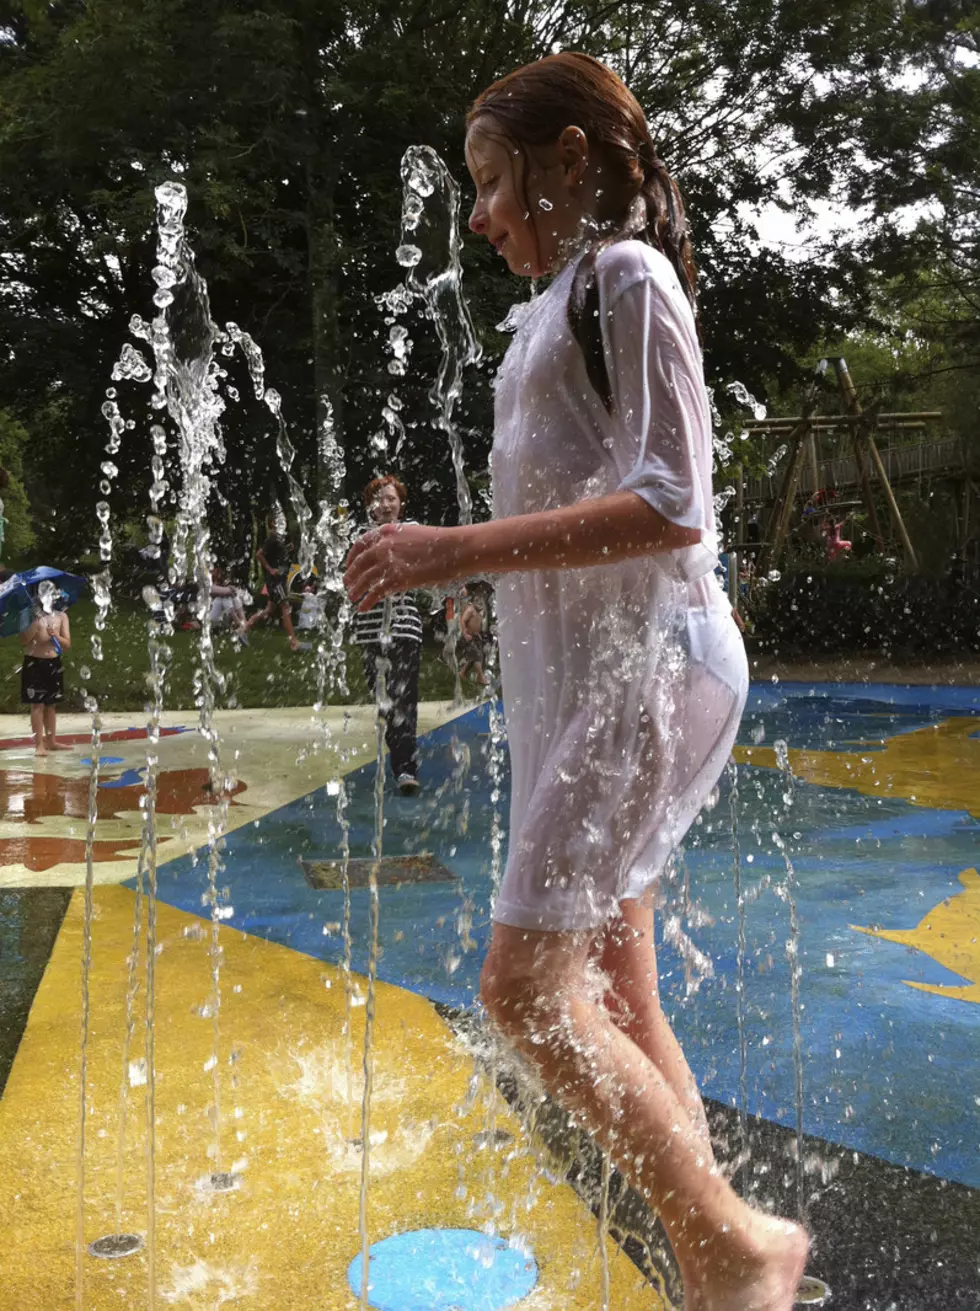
(824, 491)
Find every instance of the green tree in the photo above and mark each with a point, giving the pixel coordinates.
(18, 535)
(287, 122)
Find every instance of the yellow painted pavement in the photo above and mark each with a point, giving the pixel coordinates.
(285, 1237)
(950, 934)
(936, 766)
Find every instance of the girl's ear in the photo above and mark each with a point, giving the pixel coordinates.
(573, 151)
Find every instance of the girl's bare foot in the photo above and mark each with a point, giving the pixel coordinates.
(40, 749)
(54, 745)
(763, 1277)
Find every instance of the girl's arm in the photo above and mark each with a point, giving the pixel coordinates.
(602, 530)
(64, 637)
(259, 555)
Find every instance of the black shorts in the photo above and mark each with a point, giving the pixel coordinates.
(469, 651)
(42, 682)
(275, 589)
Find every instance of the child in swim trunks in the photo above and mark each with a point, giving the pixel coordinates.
(273, 558)
(623, 673)
(469, 649)
(42, 677)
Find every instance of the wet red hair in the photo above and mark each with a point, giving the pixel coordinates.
(532, 106)
(386, 480)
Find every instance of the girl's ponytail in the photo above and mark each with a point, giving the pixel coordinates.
(654, 215)
(666, 223)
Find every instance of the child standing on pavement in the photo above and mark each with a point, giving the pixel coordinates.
(42, 677)
(469, 648)
(384, 500)
(623, 673)
(273, 558)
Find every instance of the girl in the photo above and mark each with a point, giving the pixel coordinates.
(384, 499)
(623, 673)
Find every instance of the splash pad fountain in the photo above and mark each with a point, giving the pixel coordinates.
(304, 1106)
(187, 374)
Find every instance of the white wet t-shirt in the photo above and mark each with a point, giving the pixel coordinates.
(623, 684)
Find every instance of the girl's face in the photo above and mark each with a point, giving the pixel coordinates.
(531, 241)
(386, 506)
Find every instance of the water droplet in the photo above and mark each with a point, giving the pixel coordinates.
(417, 172)
(396, 301)
(745, 397)
(163, 276)
(130, 365)
(408, 255)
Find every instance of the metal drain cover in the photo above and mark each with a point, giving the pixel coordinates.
(812, 1292)
(116, 1245)
(499, 1138)
(224, 1181)
(391, 870)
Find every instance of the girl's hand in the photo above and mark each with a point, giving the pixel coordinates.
(397, 558)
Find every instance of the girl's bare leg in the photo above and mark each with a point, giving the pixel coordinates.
(732, 1258)
(627, 956)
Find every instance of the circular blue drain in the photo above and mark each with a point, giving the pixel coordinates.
(444, 1270)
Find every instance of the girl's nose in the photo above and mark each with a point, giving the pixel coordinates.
(478, 220)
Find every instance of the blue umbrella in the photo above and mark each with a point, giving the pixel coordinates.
(19, 594)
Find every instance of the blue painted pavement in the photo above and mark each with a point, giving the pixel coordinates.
(884, 1063)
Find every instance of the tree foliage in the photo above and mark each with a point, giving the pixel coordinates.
(19, 535)
(287, 122)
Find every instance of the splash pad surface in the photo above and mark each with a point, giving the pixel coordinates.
(883, 842)
(287, 1233)
(881, 832)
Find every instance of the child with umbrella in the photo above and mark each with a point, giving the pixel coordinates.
(41, 676)
(32, 605)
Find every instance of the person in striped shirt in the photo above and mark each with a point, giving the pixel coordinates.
(384, 500)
